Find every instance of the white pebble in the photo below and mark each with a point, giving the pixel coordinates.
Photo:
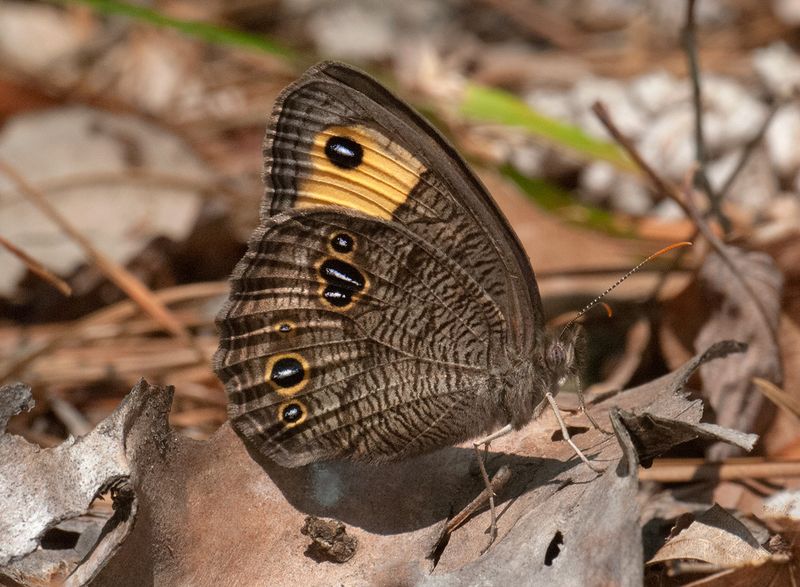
(782, 140)
(552, 103)
(614, 94)
(779, 69)
(733, 116)
(597, 179)
(631, 196)
(668, 210)
(668, 143)
(657, 91)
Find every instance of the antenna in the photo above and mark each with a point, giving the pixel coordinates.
(594, 302)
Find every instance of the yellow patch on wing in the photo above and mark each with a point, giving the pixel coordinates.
(377, 186)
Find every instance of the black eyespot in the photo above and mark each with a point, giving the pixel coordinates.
(285, 327)
(342, 243)
(287, 372)
(336, 296)
(292, 413)
(344, 152)
(342, 274)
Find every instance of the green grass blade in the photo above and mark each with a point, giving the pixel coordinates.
(497, 106)
(201, 30)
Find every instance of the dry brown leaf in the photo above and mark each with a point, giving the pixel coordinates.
(779, 567)
(715, 537)
(94, 156)
(211, 511)
(734, 314)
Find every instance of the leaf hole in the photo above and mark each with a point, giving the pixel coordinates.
(554, 548)
(573, 432)
(58, 539)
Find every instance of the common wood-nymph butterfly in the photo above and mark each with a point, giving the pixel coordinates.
(384, 307)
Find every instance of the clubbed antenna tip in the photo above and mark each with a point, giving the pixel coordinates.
(594, 302)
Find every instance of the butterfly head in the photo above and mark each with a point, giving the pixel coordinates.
(560, 360)
(563, 355)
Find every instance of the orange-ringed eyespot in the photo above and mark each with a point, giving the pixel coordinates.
(342, 243)
(287, 372)
(292, 413)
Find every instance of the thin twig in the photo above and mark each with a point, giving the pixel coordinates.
(37, 268)
(115, 272)
(661, 185)
(747, 152)
(75, 422)
(779, 397)
(119, 312)
(499, 480)
(684, 200)
(720, 248)
(685, 470)
(139, 177)
(689, 38)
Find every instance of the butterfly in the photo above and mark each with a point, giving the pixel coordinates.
(385, 307)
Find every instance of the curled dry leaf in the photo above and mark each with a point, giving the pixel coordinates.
(715, 537)
(719, 540)
(663, 423)
(734, 314)
(212, 511)
(781, 512)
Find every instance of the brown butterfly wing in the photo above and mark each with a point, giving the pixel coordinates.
(383, 297)
(396, 370)
(417, 178)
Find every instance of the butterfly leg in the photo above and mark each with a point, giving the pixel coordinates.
(486, 481)
(592, 421)
(556, 410)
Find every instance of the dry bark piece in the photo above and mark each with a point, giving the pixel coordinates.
(729, 387)
(210, 511)
(14, 399)
(329, 540)
(40, 489)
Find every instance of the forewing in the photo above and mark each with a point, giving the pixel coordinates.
(409, 174)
